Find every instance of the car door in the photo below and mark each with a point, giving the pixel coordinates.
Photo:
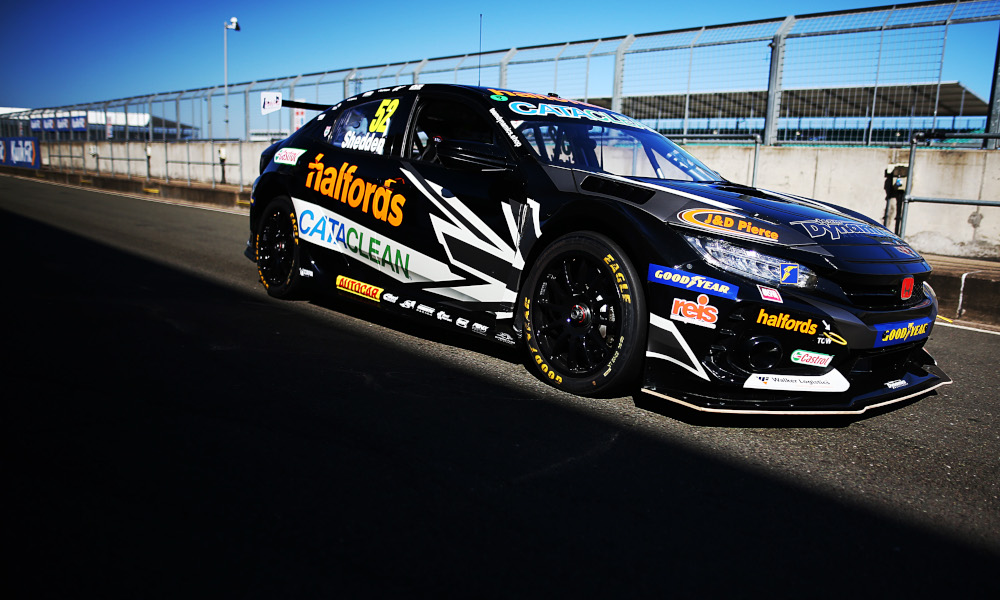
(461, 169)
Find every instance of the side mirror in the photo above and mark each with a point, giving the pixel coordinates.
(462, 154)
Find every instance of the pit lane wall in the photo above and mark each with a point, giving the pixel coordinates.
(849, 176)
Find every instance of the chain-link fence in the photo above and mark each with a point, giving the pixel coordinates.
(868, 77)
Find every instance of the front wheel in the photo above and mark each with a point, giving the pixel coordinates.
(585, 316)
(276, 243)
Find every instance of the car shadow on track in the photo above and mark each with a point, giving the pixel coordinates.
(174, 436)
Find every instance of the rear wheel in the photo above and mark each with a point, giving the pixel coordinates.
(277, 250)
(585, 316)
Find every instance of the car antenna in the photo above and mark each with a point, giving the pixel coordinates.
(480, 72)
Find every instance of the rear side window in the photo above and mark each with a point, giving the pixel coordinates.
(367, 127)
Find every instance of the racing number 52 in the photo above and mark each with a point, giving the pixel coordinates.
(385, 111)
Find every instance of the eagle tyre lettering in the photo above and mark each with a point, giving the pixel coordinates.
(276, 243)
(585, 316)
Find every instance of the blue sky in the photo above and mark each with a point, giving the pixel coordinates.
(74, 52)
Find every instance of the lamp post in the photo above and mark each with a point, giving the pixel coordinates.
(235, 26)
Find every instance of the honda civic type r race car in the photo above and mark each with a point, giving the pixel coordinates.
(616, 258)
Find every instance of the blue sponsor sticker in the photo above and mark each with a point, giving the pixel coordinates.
(889, 334)
(690, 281)
(789, 273)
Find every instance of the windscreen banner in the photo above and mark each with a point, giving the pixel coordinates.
(20, 152)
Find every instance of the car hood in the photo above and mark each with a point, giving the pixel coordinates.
(845, 238)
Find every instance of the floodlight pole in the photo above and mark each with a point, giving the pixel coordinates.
(235, 26)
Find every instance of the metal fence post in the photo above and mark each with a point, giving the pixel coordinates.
(774, 82)
(993, 121)
(619, 76)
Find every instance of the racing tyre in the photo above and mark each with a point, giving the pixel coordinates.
(585, 316)
(277, 249)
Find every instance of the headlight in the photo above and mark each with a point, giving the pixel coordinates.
(752, 264)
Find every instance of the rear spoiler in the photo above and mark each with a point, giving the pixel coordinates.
(271, 101)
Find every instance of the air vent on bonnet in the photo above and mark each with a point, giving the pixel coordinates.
(608, 187)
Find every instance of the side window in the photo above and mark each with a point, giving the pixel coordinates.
(365, 127)
(439, 120)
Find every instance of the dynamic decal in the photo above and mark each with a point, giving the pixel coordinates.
(769, 293)
(330, 230)
(835, 228)
(786, 322)
(906, 291)
(473, 246)
(288, 156)
(506, 128)
(696, 313)
(789, 273)
(690, 281)
(666, 343)
(904, 331)
(365, 290)
(896, 384)
(828, 382)
(727, 222)
(813, 359)
(341, 184)
(612, 262)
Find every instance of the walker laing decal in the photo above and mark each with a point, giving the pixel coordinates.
(828, 382)
(690, 281)
(889, 334)
(342, 184)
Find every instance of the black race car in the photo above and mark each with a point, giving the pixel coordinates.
(616, 258)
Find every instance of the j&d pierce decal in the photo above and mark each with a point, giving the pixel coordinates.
(729, 222)
(690, 281)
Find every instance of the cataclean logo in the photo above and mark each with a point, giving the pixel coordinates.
(341, 184)
(785, 321)
(365, 290)
(897, 333)
(328, 231)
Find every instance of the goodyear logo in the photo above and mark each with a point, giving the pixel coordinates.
(365, 290)
(789, 273)
(690, 281)
(889, 334)
(730, 222)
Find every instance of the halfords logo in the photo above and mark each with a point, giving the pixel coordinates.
(341, 184)
(785, 321)
(690, 281)
(898, 333)
(358, 288)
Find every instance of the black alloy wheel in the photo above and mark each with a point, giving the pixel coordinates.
(585, 316)
(277, 247)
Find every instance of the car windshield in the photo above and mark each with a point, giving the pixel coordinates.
(624, 151)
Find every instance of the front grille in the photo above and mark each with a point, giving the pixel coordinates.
(883, 295)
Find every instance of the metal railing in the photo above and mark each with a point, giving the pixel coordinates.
(921, 138)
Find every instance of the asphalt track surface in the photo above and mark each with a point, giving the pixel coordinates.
(171, 431)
